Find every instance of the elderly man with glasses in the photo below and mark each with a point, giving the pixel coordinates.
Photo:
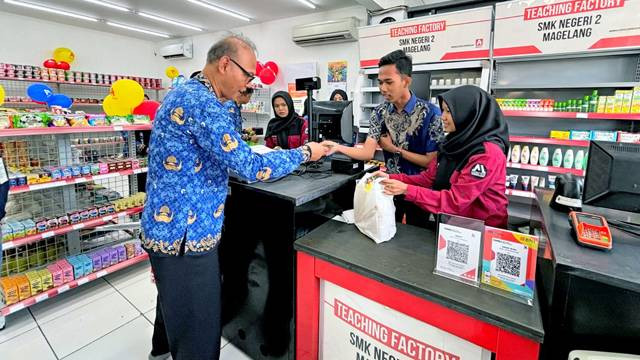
(193, 145)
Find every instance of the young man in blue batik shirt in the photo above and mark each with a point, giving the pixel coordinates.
(407, 128)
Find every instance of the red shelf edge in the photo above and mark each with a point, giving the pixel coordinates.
(69, 228)
(571, 115)
(71, 130)
(550, 141)
(26, 188)
(10, 309)
(551, 169)
(69, 82)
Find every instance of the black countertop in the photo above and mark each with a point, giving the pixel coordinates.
(406, 262)
(619, 267)
(303, 188)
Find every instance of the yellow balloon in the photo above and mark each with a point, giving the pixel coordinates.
(127, 92)
(64, 54)
(1, 95)
(113, 107)
(172, 72)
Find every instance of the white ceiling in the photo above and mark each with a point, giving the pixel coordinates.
(179, 10)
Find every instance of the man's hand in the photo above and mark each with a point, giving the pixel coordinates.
(330, 146)
(394, 187)
(317, 151)
(387, 145)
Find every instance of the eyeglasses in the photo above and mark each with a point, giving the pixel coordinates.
(249, 75)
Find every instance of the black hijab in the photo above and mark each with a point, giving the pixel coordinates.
(282, 126)
(478, 119)
(341, 92)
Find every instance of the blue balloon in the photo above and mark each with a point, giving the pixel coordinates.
(39, 92)
(60, 100)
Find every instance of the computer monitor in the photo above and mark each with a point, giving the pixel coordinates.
(613, 176)
(332, 120)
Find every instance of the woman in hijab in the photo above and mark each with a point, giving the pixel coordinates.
(338, 95)
(468, 178)
(287, 130)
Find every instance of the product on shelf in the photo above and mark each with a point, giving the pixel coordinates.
(579, 160)
(561, 135)
(557, 158)
(535, 182)
(552, 181)
(524, 155)
(568, 159)
(8, 291)
(604, 135)
(544, 156)
(535, 155)
(580, 135)
(622, 102)
(626, 137)
(515, 154)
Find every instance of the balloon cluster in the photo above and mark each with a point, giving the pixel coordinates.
(126, 97)
(62, 59)
(267, 72)
(173, 74)
(43, 94)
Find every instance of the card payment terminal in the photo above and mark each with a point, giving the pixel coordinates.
(590, 230)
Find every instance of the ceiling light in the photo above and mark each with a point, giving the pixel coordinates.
(48, 9)
(137, 29)
(220, 10)
(106, 4)
(169, 21)
(308, 3)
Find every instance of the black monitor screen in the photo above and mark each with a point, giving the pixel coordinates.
(613, 176)
(332, 120)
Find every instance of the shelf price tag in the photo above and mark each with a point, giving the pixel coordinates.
(102, 273)
(17, 307)
(48, 234)
(83, 281)
(582, 115)
(78, 226)
(63, 288)
(42, 297)
(118, 128)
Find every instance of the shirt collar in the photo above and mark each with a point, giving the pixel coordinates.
(410, 106)
(204, 81)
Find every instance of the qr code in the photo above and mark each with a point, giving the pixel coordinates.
(458, 252)
(508, 264)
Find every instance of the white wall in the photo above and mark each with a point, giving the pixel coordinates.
(273, 40)
(29, 41)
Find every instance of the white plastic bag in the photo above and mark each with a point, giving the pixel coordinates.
(374, 212)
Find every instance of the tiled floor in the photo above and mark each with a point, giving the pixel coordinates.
(110, 318)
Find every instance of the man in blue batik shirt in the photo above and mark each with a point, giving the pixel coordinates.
(407, 128)
(193, 145)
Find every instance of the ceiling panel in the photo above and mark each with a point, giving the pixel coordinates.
(178, 10)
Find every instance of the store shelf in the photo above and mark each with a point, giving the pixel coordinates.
(111, 143)
(549, 141)
(570, 86)
(8, 310)
(33, 103)
(69, 228)
(571, 115)
(374, 89)
(71, 130)
(447, 87)
(67, 82)
(549, 169)
(76, 180)
(520, 193)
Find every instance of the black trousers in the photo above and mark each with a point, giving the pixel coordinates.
(188, 310)
(415, 215)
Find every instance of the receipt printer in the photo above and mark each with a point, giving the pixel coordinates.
(342, 164)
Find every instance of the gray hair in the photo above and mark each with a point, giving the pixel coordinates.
(228, 46)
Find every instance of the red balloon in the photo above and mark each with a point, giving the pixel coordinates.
(50, 64)
(273, 66)
(63, 65)
(267, 76)
(147, 107)
(259, 67)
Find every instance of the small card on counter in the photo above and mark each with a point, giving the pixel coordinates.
(458, 251)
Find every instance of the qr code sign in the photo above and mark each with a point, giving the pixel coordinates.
(458, 252)
(508, 264)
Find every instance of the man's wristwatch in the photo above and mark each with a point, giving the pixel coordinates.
(306, 152)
